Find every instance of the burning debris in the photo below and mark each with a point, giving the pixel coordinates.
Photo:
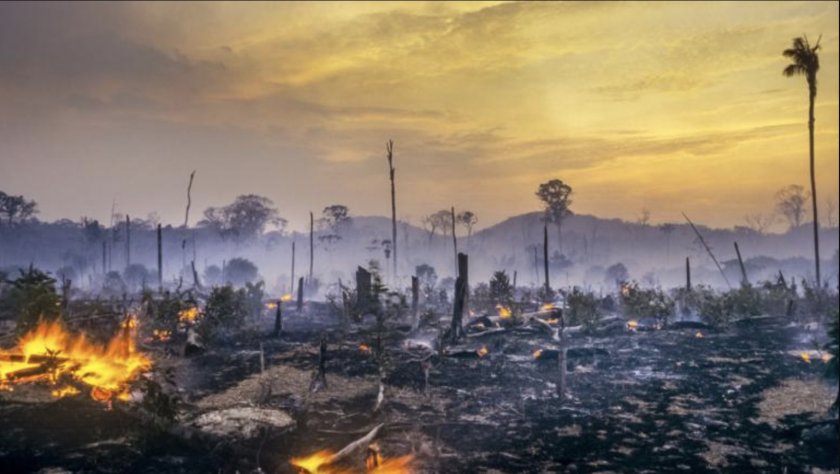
(189, 316)
(51, 355)
(503, 311)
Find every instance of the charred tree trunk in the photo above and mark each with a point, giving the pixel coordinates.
(687, 274)
(744, 280)
(390, 149)
(545, 262)
(300, 295)
(561, 357)
(322, 361)
(457, 329)
(278, 319)
(104, 258)
(415, 297)
(454, 239)
(196, 282)
(363, 287)
(514, 279)
(160, 258)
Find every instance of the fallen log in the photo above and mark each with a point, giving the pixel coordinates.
(352, 447)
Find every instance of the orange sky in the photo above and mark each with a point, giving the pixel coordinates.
(666, 106)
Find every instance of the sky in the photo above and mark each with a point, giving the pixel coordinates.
(669, 107)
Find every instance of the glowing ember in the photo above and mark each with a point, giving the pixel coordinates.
(552, 321)
(312, 463)
(271, 305)
(189, 315)
(632, 324)
(286, 297)
(699, 335)
(826, 357)
(50, 354)
(503, 311)
(364, 348)
(483, 351)
(161, 335)
(547, 307)
(806, 357)
(537, 353)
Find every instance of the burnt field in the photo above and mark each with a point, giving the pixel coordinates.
(685, 398)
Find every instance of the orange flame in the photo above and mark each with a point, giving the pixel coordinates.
(161, 335)
(319, 463)
(503, 311)
(547, 307)
(364, 348)
(632, 324)
(537, 353)
(483, 351)
(806, 357)
(189, 315)
(271, 305)
(699, 335)
(106, 369)
(286, 297)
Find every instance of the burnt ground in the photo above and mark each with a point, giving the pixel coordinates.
(666, 400)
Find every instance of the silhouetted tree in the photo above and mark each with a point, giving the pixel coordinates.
(556, 196)
(617, 274)
(16, 208)
(806, 62)
(790, 203)
(467, 219)
(244, 219)
(240, 271)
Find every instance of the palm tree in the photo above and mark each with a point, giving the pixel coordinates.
(806, 62)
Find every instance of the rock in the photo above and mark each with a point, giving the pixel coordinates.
(242, 422)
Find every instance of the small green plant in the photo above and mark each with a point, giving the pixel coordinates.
(31, 298)
(225, 311)
(582, 308)
(501, 290)
(646, 303)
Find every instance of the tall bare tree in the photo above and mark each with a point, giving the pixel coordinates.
(806, 62)
(790, 203)
(556, 196)
(389, 147)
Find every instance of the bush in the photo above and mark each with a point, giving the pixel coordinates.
(582, 309)
(501, 290)
(240, 271)
(226, 310)
(720, 309)
(646, 303)
(164, 311)
(31, 298)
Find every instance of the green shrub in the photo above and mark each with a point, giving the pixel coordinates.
(582, 309)
(225, 312)
(31, 298)
(501, 290)
(646, 303)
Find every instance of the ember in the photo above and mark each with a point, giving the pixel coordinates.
(699, 335)
(319, 463)
(364, 348)
(547, 307)
(537, 353)
(161, 335)
(483, 351)
(50, 354)
(503, 311)
(188, 316)
(271, 305)
(806, 357)
(632, 324)
(286, 297)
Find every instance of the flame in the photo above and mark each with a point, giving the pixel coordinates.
(699, 335)
(312, 463)
(161, 335)
(632, 324)
(503, 311)
(806, 357)
(364, 348)
(189, 315)
(483, 351)
(547, 307)
(826, 357)
(106, 369)
(319, 463)
(286, 297)
(537, 353)
(552, 320)
(472, 313)
(271, 305)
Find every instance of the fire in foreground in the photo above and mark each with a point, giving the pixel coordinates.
(320, 463)
(49, 354)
